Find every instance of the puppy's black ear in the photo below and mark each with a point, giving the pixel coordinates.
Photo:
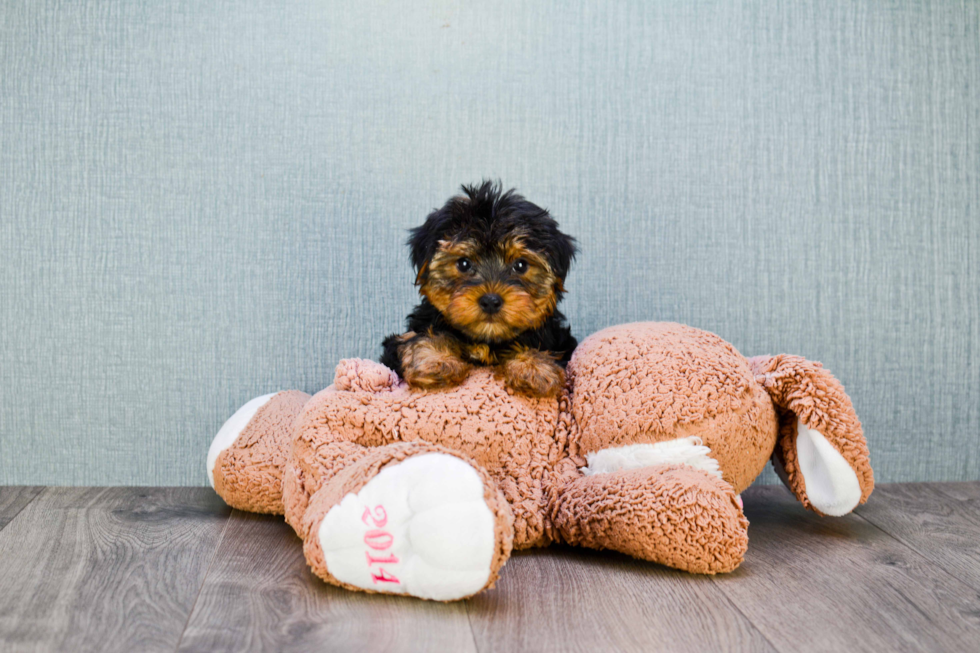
(419, 244)
(561, 253)
(424, 239)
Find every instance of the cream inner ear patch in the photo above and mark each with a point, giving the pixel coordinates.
(420, 527)
(831, 485)
(687, 451)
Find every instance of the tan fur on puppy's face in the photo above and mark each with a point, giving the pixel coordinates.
(529, 297)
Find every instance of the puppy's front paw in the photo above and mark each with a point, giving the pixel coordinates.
(432, 363)
(534, 373)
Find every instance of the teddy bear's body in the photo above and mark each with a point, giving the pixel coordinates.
(660, 428)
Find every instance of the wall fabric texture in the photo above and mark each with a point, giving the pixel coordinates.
(205, 201)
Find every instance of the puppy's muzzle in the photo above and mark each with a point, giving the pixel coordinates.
(491, 303)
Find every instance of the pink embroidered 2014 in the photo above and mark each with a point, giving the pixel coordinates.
(379, 540)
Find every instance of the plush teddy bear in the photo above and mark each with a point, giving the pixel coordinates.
(659, 429)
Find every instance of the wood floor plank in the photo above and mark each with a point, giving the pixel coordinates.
(568, 599)
(813, 583)
(925, 517)
(261, 596)
(127, 569)
(13, 499)
(105, 569)
(969, 491)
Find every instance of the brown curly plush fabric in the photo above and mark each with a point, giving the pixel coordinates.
(644, 384)
(655, 381)
(804, 389)
(248, 475)
(511, 436)
(671, 514)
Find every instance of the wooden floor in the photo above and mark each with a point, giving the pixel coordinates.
(173, 569)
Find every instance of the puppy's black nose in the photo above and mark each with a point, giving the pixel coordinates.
(491, 303)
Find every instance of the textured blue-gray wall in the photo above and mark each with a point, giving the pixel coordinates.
(204, 201)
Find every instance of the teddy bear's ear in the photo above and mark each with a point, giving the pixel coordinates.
(830, 485)
(821, 454)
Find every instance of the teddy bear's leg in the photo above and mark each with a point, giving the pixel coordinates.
(310, 465)
(821, 454)
(246, 458)
(673, 514)
(409, 518)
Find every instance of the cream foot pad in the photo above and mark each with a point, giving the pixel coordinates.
(420, 527)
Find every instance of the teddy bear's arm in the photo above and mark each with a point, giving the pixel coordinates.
(821, 454)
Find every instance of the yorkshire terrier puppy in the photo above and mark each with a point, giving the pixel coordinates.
(490, 267)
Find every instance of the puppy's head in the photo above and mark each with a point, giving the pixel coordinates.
(491, 262)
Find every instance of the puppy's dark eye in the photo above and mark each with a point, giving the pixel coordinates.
(464, 265)
(520, 266)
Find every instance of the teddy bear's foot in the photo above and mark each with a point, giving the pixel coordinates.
(246, 458)
(429, 525)
(675, 515)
